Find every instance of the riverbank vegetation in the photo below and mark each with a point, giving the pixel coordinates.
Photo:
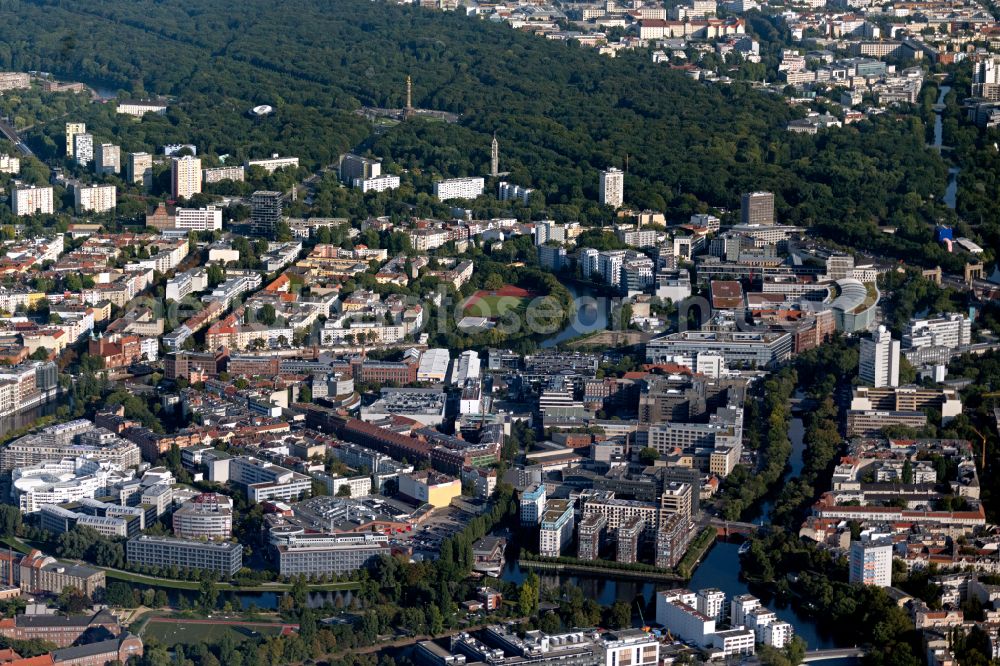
(825, 372)
(766, 418)
(816, 583)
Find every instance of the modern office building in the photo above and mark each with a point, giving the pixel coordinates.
(458, 188)
(556, 528)
(879, 359)
(208, 516)
(83, 148)
(265, 213)
(267, 481)
(66, 480)
(757, 208)
(95, 198)
(32, 200)
(72, 129)
(611, 188)
(77, 438)
(139, 169)
(107, 159)
(224, 557)
(739, 349)
(185, 177)
(429, 487)
(854, 310)
(198, 219)
(871, 561)
(951, 331)
(321, 554)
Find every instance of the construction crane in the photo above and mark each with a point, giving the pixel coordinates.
(982, 462)
(645, 627)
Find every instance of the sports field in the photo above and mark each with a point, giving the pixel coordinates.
(172, 632)
(492, 303)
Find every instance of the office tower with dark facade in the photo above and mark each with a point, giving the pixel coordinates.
(265, 213)
(757, 208)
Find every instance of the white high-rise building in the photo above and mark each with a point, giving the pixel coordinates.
(185, 176)
(555, 530)
(879, 360)
(509, 192)
(739, 607)
(609, 265)
(83, 148)
(95, 198)
(31, 200)
(871, 561)
(711, 602)
(532, 504)
(987, 71)
(459, 188)
(611, 191)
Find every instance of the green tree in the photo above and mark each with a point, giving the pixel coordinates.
(10, 520)
(618, 616)
(648, 455)
(208, 594)
(527, 603)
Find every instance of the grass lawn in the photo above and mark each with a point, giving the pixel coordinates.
(180, 632)
(495, 306)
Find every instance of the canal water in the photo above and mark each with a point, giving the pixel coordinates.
(590, 313)
(28, 417)
(719, 569)
(796, 434)
(951, 191)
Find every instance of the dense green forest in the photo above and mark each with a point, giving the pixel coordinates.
(562, 112)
